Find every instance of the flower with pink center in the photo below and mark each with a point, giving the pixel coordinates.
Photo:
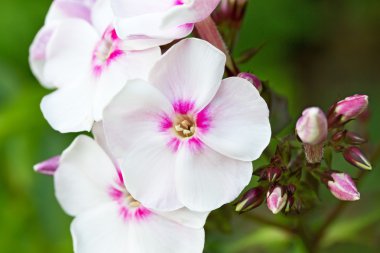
(146, 22)
(187, 135)
(343, 187)
(107, 218)
(95, 12)
(276, 199)
(88, 68)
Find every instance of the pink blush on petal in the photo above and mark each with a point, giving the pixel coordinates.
(203, 120)
(173, 144)
(195, 145)
(165, 123)
(138, 214)
(106, 51)
(183, 106)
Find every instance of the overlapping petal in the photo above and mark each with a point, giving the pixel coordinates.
(238, 124)
(84, 176)
(102, 230)
(206, 179)
(69, 109)
(69, 52)
(190, 71)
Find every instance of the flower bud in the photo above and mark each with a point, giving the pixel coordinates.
(355, 156)
(276, 199)
(271, 174)
(47, 167)
(312, 126)
(231, 11)
(289, 204)
(312, 129)
(291, 189)
(339, 136)
(250, 200)
(354, 139)
(252, 79)
(343, 187)
(347, 109)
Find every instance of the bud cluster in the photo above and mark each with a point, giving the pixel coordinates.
(291, 179)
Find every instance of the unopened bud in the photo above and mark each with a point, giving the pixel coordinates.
(231, 11)
(312, 126)
(343, 187)
(312, 129)
(252, 79)
(354, 139)
(289, 204)
(348, 109)
(250, 200)
(291, 189)
(356, 157)
(271, 174)
(339, 136)
(276, 199)
(47, 167)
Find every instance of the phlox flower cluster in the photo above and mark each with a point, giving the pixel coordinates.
(171, 139)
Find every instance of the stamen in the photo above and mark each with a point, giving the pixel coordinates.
(185, 126)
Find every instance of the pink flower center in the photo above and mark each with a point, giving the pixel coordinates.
(184, 126)
(106, 51)
(129, 208)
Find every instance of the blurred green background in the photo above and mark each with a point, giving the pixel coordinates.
(316, 52)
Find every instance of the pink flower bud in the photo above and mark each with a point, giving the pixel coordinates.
(354, 139)
(48, 167)
(343, 187)
(347, 109)
(231, 11)
(276, 199)
(252, 79)
(250, 200)
(312, 126)
(356, 157)
(272, 174)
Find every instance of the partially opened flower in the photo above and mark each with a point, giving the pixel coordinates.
(88, 68)
(146, 22)
(187, 136)
(108, 218)
(343, 187)
(276, 199)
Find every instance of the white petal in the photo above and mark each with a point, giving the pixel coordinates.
(102, 15)
(133, 116)
(84, 176)
(100, 138)
(69, 109)
(195, 12)
(101, 230)
(69, 53)
(130, 8)
(159, 235)
(149, 174)
(191, 70)
(37, 52)
(239, 121)
(64, 9)
(206, 179)
(165, 19)
(186, 217)
(132, 65)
